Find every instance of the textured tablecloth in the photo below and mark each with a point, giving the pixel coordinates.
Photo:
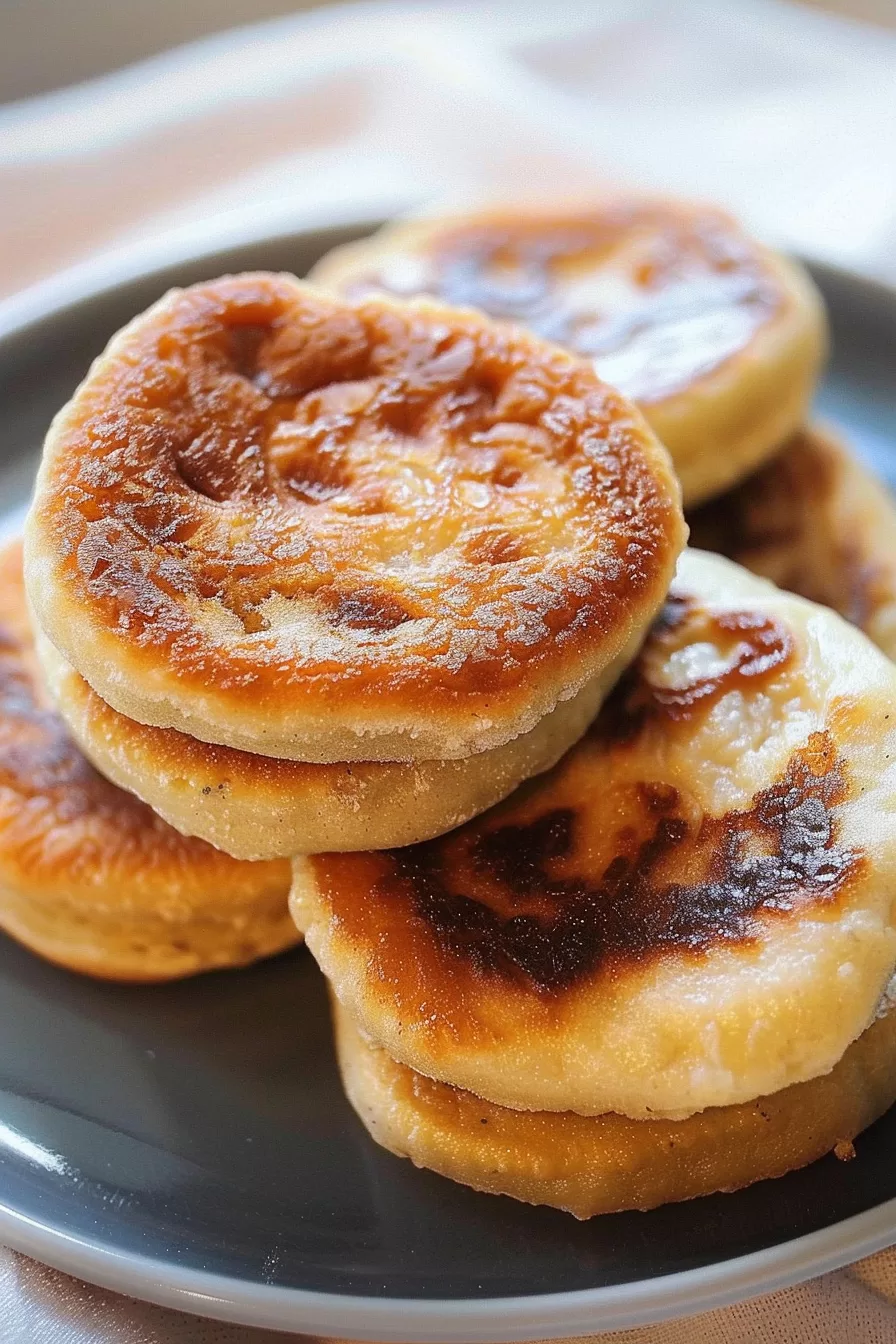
(786, 115)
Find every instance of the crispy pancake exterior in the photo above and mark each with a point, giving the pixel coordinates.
(588, 1165)
(89, 876)
(817, 521)
(693, 909)
(330, 532)
(256, 807)
(719, 340)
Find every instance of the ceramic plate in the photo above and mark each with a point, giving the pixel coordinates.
(190, 1144)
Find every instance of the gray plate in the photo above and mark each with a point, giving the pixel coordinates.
(190, 1143)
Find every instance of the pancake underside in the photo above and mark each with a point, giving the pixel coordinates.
(143, 945)
(252, 807)
(609, 1163)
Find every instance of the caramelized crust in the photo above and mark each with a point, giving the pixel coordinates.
(693, 908)
(89, 876)
(816, 521)
(717, 339)
(329, 532)
(602, 1164)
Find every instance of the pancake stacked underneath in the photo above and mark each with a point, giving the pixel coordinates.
(90, 877)
(817, 521)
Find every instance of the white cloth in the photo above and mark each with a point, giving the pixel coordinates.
(41, 1306)
(786, 115)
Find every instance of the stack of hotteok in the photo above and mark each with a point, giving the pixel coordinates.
(594, 836)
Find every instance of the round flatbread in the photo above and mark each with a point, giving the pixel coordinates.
(331, 532)
(694, 908)
(256, 807)
(606, 1163)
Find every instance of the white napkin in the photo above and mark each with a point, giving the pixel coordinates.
(786, 115)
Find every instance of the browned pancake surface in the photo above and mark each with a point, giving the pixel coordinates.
(718, 339)
(265, 499)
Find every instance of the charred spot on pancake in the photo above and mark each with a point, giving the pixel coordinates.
(675, 881)
(516, 855)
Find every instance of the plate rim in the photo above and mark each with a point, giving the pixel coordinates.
(495, 1320)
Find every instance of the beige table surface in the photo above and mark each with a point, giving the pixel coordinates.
(785, 114)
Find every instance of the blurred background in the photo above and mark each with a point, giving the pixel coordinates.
(157, 128)
(50, 43)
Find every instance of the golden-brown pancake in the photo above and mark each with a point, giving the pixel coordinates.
(89, 876)
(323, 531)
(817, 521)
(605, 1163)
(718, 339)
(696, 907)
(256, 807)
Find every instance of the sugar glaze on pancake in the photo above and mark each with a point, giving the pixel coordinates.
(89, 876)
(718, 339)
(817, 521)
(693, 909)
(588, 1165)
(332, 532)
